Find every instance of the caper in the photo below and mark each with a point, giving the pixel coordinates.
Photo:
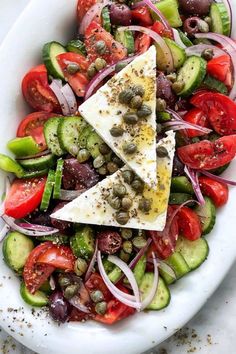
(120, 66)
(100, 64)
(139, 242)
(137, 185)
(96, 296)
(162, 151)
(207, 54)
(171, 77)
(101, 308)
(83, 155)
(127, 247)
(145, 205)
(160, 105)
(71, 290)
(104, 149)
(130, 118)
(136, 102)
(116, 131)
(203, 26)
(126, 96)
(144, 111)
(80, 266)
(91, 70)
(102, 170)
(124, 256)
(115, 203)
(208, 20)
(119, 190)
(112, 167)
(64, 281)
(98, 161)
(72, 68)
(126, 233)
(158, 128)
(122, 217)
(74, 150)
(129, 148)
(126, 203)
(139, 90)
(118, 161)
(100, 47)
(178, 86)
(128, 176)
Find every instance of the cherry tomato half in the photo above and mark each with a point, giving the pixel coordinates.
(217, 191)
(220, 69)
(196, 116)
(160, 29)
(141, 15)
(141, 43)
(189, 224)
(60, 257)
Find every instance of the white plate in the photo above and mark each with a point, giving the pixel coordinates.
(44, 21)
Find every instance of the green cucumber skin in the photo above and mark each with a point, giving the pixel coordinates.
(220, 19)
(178, 263)
(82, 243)
(76, 46)
(48, 191)
(179, 198)
(84, 135)
(185, 39)
(58, 179)
(33, 174)
(106, 22)
(214, 84)
(178, 53)
(139, 270)
(38, 163)
(207, 217)
(93, 143)
(56, 72)
(162, 296)
(181, 184)
(127, 39)
(51, 137)
(39, 299)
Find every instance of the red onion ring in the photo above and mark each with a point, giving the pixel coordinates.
(193, 176)
(95, 10)
(35, 227)
(55, 87)
(140, 254)
(69, 95)
(177, 38)
(199, 48)
(167, 269)
(217, 178)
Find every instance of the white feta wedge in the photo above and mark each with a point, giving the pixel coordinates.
(103, 111)
(92, 207)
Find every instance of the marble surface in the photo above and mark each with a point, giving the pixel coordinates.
(211, 331)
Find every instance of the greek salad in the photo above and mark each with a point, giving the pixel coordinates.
(116, 175)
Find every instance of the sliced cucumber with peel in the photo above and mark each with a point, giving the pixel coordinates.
(162, 296)
(39, 299)
(76, 46)
(194, 252)
(38, 163)
(178, 53)
(50, 52)
(177, 262)
(93, 143)
(47, 191)
(220, 21)
(106, 21)
(207, 215)
(51, 136)
(127, 39)
(181, 184)
(180, 198)
(68, 133)
(58, 179)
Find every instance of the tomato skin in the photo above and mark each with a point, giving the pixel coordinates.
(34, 274)
(208, 155)
(24, 196)
(160, 29)
(95, 282)
(82, 7)
(195, 116)
(32, 125)
(37, 92)
(60, 257)
(189, 223)
(141, 16)
(220, 69)
(219, 109)
(115, 50)
(217, 191)
(142, 43)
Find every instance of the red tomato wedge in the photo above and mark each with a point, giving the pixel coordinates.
(142, 43)
(82, 7)
(217, 191)
(32, 125)
(208, 155)
(37, 92)
(219, 109)
(115, 51)
(220, 69)
(160, 29)
(79, 80)
(34, 274)
(60, 257)
(24, 196)
(189, 223)
(141, 16)
(196, 116)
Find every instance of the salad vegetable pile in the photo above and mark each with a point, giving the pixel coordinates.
(116, 176)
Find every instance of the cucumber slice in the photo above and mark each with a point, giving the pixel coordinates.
(191, 74)
(33, 174)
(51, 137)
(23, 146)
(56, 239)
(127, 39)
(207, 215)
(39, 299)
(16, 249)
(38, 163)
(185, 39)
(178, 53)
(84, 135)
(181, 184)
(168, 278)
(76, 46)
(115, 274)
(179, 265)
(106, 22)
(162, 296)
(93, 143)
(179, 198)
(139, 269)
(214, 84)
(58, 178)
(68, 134)
(47, 191)
(169, 9)
(194, 252)
(220, 21)
(46, 288)
(82, 243)
(50, 52)
(7, 164)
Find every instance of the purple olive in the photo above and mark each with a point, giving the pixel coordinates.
(40, 218)
(58, 307)
(195, 7)
(178, 167)
(63, 226)
(109, 242)
(164, 90)
(120, 14)
(82, 174)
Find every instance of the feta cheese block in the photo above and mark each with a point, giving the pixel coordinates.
(103, 111)
(92, 207)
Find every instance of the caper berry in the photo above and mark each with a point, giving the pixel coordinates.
(139, 242)
(162, 151)
(116, 131)
(137, 185)
(72, 68)
(144, 111)
(102, 170)
(91, 70)
(126, 203)
(178, 86)
(171, 77)
(98, 161)
(127, 247)
(100, 47)
(119, 190)
(136, 102)
(122, 217)
(80, 266)
(64, 281)
(139, 90)
(128, 176)
(130, 118)
(129, 148)
(145, 205)
(100, 64)
(126, 233)
(112, 167)
(124, 256)
(158, 128)
(101, 308)
(83, 155)
(203, 26)
(208, 20)
(118, 161)
(160, 105)
(207, 54)
(126, 96)
(120, 66)
(104, 149)
(96, 296)
(115, 203)
(71, 290)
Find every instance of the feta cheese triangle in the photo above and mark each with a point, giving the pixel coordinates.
(92, 206)
(104, 111)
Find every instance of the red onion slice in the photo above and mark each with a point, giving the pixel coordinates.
(55, 87)
(177, 38)
(94, 11)
(193, 176)
(167, 269)
(162, 18)
(52, 283)
(4, 232)
(199, 48)
(92, 262)
(70, 98)
(68, 195)
(218, 178)
(36, 227)
(153, 289)
(140, 254)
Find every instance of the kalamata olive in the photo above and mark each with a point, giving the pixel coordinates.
(40, 218)
(193, 25)
(82, 173)
(120, 14)
(58, 307)
(164, 90)
(63, 226)
(195, 7)
(109, 241)
(178, 167)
